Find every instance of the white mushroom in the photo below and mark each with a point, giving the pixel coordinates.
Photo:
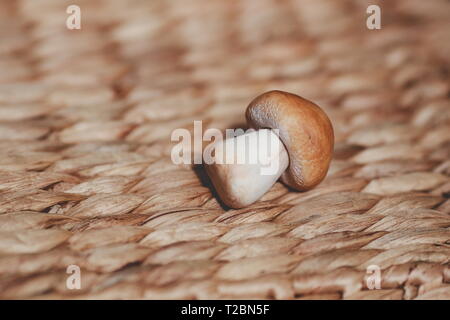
(247, 166)
(299, 145)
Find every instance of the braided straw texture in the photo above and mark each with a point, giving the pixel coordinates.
(86, 176)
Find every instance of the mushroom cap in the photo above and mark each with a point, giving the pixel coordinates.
(305, 130)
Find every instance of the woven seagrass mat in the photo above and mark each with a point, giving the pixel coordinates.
(86, 176)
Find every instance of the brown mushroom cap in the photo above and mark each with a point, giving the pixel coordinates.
(305, 130)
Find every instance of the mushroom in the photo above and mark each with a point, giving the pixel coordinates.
(294, 140)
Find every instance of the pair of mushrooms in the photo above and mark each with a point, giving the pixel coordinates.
(303, 155)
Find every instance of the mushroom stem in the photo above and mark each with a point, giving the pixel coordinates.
(247, 166)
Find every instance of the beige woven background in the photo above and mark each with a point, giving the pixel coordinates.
(85, 170)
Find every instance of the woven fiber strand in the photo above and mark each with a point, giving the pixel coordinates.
(86, 177)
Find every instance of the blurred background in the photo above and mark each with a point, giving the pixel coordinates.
(86, 176)
(208, 59)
